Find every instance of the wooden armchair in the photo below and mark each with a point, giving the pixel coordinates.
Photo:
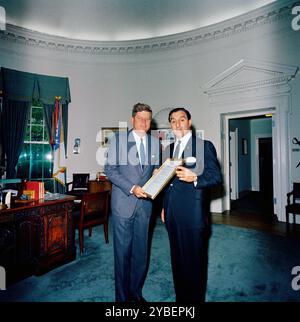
(294, 207)
(93, 212)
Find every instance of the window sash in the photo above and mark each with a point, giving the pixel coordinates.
(35, 166)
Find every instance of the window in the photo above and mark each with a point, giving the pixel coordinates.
(35, 161)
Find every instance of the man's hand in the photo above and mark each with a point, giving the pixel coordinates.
(185, 174)
(139, 192)
(162, 215)
(154, 172)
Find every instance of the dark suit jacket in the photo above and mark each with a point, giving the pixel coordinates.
(191, 204)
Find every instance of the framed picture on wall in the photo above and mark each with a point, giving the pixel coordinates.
(166, 136)
(108, 132)
(200, 134)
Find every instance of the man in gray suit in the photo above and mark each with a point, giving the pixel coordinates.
(131, 160)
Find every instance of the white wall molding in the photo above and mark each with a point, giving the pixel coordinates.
(250, 78)
(243, 23)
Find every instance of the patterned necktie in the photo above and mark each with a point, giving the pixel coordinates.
(176, 153)
(142, 154)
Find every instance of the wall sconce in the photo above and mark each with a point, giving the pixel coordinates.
(76, 147)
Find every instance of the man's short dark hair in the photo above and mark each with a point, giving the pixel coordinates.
(177, 109)
(140, 107)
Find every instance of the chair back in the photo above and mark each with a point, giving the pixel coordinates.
(296, 191)
(80, 181)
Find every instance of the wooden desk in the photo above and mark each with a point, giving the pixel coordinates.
(97, 186)
(36, 237)
(93, 186)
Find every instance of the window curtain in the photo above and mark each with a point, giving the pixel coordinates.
(15, 115)
(19, 90)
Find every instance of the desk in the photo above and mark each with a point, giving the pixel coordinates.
(93, 186)
(101, 185)
(36, 237)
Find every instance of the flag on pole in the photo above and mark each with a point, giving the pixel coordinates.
(59, 158)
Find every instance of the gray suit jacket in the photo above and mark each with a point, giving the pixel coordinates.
(123, 170)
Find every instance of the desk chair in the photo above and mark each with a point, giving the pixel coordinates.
(294, 207)
(93, 212)
(80, 184)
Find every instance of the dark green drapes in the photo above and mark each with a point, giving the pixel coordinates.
(19, 90)
(49, 87)
(14, 118)
(19, 86)
(28, 87)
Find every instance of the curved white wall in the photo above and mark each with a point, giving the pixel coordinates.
(104, 87)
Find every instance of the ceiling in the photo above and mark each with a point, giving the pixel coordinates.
(111, 20)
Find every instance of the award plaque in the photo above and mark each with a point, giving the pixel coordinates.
(159, 180)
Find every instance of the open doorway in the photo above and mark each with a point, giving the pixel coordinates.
(251, 165)
(265, 157)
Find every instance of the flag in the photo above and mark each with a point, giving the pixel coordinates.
(59, 157)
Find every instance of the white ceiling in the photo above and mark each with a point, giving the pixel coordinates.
(121, 19)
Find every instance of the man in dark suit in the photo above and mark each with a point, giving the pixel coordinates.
(131, 160)
(186, 207)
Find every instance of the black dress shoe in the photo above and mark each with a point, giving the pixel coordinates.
(139, 300)
(142, 300)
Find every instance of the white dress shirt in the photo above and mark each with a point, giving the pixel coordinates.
(138, 143)
(183, 142)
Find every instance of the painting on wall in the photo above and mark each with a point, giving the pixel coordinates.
(165, 136)
(200, 134)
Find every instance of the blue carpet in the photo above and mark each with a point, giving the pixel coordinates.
(244, 265)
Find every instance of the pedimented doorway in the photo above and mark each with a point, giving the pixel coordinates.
(248, 89)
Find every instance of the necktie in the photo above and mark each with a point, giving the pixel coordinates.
(176, 153)
(142, 154)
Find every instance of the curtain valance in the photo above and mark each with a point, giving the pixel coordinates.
(28, 87)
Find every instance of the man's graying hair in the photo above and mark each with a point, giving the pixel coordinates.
(140, 107)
